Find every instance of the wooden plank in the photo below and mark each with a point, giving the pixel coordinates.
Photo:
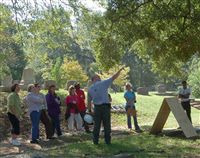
(181, 117)
(161, 118)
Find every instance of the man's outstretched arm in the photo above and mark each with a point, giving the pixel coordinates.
(117, 74)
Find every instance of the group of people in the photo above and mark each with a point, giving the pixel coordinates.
(47, 108)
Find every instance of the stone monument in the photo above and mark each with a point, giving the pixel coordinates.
(48, 83)
(28, 77)
(143, 91)
(161, 88)
(6, 83)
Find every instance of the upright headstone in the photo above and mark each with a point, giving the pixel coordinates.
(6, 84)
(48, 83)
(142, 91)
(28, 77)
(161, 88)
(16, 81)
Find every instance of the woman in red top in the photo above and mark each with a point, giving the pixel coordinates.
(72, 101)
(82, 107)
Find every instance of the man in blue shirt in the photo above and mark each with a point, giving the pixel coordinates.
(98, 94)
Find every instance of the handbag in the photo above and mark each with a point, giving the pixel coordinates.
(131, 111)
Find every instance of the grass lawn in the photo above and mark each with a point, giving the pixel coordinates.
(148, 107)
(137, 145)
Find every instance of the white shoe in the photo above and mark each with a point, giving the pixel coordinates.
(15, 142)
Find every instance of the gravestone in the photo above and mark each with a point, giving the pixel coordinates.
(6, 84)
(16, 81)
(161, 88)
(143, 91)
(48, 83)
(28, 77)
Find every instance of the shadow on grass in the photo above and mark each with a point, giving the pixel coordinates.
(134, 145)
(142, 145)
(172, 133)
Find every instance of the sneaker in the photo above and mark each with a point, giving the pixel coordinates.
(15, 142)
(139, 130)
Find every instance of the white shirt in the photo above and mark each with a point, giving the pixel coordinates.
(183, 91)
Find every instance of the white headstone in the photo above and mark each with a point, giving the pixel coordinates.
(28, 76)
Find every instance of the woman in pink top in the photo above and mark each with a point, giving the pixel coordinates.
(72, 111)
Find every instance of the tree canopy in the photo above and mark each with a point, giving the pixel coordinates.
(166, 33)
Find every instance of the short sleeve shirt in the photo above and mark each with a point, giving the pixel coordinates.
(130, 95)
(185, 91)
(98, 92)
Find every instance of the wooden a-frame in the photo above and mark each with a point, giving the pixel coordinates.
(172, 104)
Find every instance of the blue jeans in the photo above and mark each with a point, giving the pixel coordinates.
(35, 120)
(56, 124)
(134, 119)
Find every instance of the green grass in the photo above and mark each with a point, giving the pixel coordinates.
(148, 107)
(143, 145)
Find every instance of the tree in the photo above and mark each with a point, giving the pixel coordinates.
(140, 73)
(166, 33)
(12, 59)
(71, 70)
